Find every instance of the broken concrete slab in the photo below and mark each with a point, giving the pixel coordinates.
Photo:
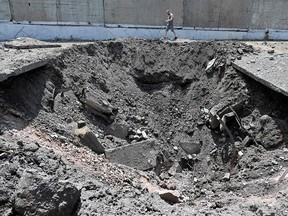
(272, 74)
(26, 54)
(10, 72)
(141, 155)
(29, 43)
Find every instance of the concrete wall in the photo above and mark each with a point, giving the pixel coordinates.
(217, 14)
(231, 14)
(244, 14)
(58, 11)
(148, 12)
(195, 19)
(4, 10)
(269, 14)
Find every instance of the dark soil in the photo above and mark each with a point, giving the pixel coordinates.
(163, 90)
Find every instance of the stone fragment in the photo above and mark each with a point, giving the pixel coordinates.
(97, 102)
(170, 196)
(171, 186)
(268, 133)
(38, 195)
(65, 100)
(89, 139)
(119, 130)
(81, 124)
(210, 65)
(31, 147)
(141, 155)
(226, 177)
(191, 147)
(245, 141)
(240, 51)
(144, 135)
(228, 61)
(240, 153)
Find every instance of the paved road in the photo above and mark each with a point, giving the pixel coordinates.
(269, 65)
(26, 54)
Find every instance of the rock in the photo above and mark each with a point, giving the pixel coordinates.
(119, 130)
(64, 101)
(89, 139)
(170, 196)
(240, 51)
(246, 141)
(97, 102)
(31, 147)
(226, 177)
(268, 133)
(191, 147)
(271, 51)
(171, 186)
(38, 195)
(175, 168)
(228, 61)
(240, 153)
(264, 120)
(210, 65)
(141, 155)
(81, 124)
(144, 135)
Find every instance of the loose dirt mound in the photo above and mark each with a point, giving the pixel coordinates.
(131, 96)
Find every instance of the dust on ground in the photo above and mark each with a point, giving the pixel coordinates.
(132, 91)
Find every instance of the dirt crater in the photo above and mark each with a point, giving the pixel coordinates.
(129, 91)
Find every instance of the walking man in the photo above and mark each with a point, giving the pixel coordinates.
(170, 25)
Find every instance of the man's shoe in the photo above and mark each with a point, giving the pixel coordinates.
(175, 38)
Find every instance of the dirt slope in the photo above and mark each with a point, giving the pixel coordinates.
(129, 91)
